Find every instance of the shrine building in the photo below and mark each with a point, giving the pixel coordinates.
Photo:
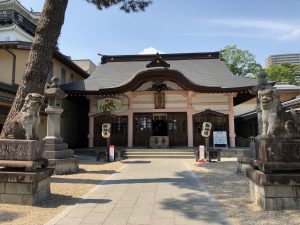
(161, 100)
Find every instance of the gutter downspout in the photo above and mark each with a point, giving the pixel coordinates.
(13, 67)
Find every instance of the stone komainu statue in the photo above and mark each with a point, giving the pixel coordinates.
(271, 109)
(273, 119)
(25, 123)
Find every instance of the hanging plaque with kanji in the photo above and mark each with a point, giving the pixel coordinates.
(159, 100)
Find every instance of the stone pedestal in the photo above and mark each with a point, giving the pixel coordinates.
(24, 188)
(24, 179)
(275, 175)
(274, 191)
(277, 154)
(27, 154)
(60, 157)
(13, 149)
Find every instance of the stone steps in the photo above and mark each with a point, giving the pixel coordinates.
(158, 153)
(161, 153)
(187, 153)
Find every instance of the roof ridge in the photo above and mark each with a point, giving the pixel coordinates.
(169, 56)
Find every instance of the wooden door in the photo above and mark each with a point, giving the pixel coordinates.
(142, 129)
(177, 129)
(118, 130)
(99, 141)
(219, 123)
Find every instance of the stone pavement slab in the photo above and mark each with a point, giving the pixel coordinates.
(152, 191)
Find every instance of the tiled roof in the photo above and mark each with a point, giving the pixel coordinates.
(293, 103)
(286, 87)
(200, 69)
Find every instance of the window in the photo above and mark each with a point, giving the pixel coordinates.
(20, 18)
(7, 38)
(63, 76)
(72, 78)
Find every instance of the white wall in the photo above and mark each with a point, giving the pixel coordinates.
(216, 102)
(14, 35)
(173, 100)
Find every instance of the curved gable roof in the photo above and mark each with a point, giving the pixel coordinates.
(196, 71)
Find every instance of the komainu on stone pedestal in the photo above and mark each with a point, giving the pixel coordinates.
(274, 179)
(24, 177)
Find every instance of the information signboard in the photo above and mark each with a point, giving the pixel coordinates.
(220, 138)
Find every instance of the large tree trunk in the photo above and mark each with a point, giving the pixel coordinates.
(40, 56)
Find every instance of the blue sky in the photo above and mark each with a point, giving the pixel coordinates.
(263, 27)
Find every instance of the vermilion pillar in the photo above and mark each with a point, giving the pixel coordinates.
(130, 121)
(190, 128)
(190, 119)
(130, 129)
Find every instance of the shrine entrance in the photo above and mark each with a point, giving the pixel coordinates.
(219, 123)
(118, 130)
(159, 124)
(159, 130)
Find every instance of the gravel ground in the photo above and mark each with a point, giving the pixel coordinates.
(231, 191)
(65, 189)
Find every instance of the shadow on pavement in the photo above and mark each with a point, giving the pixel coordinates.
(98, 171)
(56, 200)
(7, 216)
(136, 162)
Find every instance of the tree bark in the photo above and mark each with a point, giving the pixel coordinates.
(40, 56)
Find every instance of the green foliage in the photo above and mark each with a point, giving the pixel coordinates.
(284, 72)
(241, 62)
(126, 5)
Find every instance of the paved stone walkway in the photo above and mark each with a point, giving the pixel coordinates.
(155, 191)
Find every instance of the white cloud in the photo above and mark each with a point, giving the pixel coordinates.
(251, 23)
(294, 34)
(150, 50)
(278, 30)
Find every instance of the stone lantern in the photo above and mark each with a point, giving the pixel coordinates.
(56, 151)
